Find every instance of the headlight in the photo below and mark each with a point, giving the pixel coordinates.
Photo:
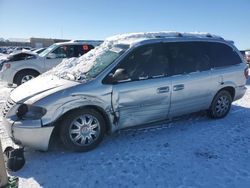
(4, 65)
(25, 111)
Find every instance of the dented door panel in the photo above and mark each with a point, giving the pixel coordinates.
(139, 102)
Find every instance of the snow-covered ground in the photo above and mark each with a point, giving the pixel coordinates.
(193, 151)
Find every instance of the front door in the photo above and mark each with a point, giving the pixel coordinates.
(144, 95)
(141, 102)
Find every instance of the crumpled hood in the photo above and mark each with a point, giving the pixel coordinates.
(40, 87)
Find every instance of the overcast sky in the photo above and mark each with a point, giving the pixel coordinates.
(98, 19)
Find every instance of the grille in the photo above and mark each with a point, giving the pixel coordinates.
(9, 103)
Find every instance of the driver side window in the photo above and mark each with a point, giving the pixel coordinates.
(146, 62)
(60, 52)
(66, 51)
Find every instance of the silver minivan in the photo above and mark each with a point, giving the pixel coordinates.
(129, 80)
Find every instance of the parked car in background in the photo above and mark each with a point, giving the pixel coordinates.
(23, 70)
(3, 50)
(247, 55)
(129, 80)
(21, 55)
(20, 48)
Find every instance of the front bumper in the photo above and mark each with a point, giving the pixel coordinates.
(28, 133)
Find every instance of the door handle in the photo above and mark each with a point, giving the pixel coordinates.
(163, 89)
(178, 87)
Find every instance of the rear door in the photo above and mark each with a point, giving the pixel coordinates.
(191, 77)
(144, 95)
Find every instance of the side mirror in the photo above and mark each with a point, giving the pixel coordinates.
(51, 56)
(119, 76)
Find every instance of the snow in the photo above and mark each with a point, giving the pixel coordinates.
(191, 151)
(3, 56)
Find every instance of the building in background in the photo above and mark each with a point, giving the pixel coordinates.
(32, 42)
(44, 42)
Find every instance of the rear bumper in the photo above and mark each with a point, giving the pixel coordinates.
(240, 92)
(28, 133)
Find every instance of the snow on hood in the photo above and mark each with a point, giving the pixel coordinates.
(75, 68)
(39, 87)
(23, 51)
(3, 57)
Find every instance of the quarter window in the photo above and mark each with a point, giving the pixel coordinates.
(223, 55)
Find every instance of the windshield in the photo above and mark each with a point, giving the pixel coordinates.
(90, 64)
(48, 50)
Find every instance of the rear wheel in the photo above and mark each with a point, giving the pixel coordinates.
(24, 76)
(221, 105)
(82, 130)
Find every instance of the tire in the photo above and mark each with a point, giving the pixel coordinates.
(24, 76)
(82, 130)
(221, 105)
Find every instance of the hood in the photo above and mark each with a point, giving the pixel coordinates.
(40, 87)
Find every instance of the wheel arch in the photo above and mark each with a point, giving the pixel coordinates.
(24, 70)
(108, 125)
(230, 89)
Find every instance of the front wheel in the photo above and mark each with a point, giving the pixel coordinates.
(221, 105)
(24, 76)
(82, 130)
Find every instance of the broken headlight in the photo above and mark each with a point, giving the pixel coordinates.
(25, 111)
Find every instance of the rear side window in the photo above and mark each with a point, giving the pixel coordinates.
(188, 57)
(222, 55)
(82, 49)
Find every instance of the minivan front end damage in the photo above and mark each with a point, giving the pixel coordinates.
(29, 133)
(24, 127)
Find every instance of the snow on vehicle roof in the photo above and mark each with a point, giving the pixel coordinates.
(90, 42)
(78, 66)
(131, 38)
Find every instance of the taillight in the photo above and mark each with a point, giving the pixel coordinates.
(248, 58)
(246, 73)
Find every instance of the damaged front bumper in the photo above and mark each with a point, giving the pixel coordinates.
(28, 133)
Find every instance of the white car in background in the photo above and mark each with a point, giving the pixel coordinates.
(20, 70)
(20, 48)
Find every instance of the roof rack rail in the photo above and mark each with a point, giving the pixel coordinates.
(86, 41)
(179, 35)
(209, 35)
(171, 35)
